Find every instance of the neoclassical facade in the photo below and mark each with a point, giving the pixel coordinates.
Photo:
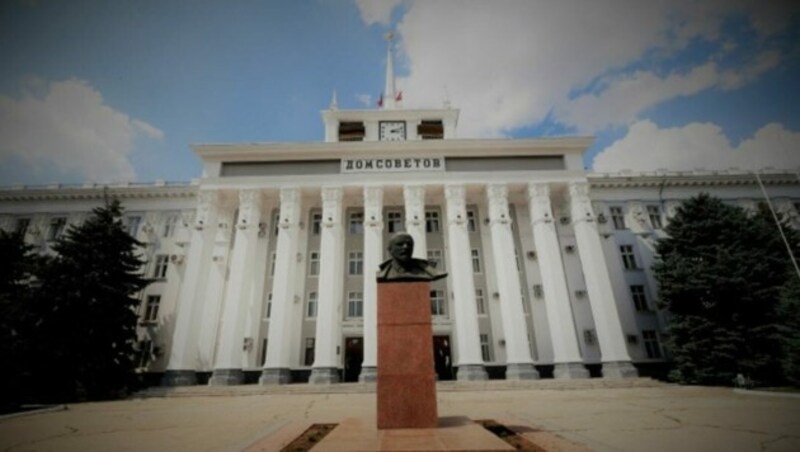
(264, 267)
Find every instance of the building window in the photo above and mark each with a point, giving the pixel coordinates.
(268, 307)
(617, 217)
(486, 351)
(436, 259)
(357, 223)
(313, 263)
(169, 226)
(308, 359)
(589, 337)
(654, 212)
(628, 259)
(355, 263)
(145, 352)
(132, 225)
(355, 305)
(160, 269)
(472, 221)
(639, 298)
(276, 221)
(272, 265)
(57, 226)
(476, 261)
(538, 291)
(311, 307)
(651, 345)
(316, 223)
(263, 357)
(438, 303)
(151, 308)
(394, 222)
(431, 221)
(22, 225)
(480, 301)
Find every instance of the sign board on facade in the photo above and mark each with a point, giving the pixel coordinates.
(392, 164)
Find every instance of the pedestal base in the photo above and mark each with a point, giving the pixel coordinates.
(368, 375)
(619, 369)
(179, 378)
(406, 389)
(570, 371)
(471, 372)
(226, 377)
(324, 376)
(521, 372)
(280, 376)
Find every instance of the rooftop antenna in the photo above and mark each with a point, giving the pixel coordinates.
(334, 103)
(389, 95)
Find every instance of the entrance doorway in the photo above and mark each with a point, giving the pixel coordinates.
(441, 357)
(353, 356)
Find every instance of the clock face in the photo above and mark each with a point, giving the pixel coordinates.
(392, 130)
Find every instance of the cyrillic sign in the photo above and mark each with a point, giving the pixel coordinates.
(392, 165)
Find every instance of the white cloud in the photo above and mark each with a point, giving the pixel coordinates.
(66, 125)
(365, 100)
(377, 11)
(510, 64)
(647, 147)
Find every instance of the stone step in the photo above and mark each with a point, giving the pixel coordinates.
(355, 388)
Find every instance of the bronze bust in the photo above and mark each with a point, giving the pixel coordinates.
(402, 267)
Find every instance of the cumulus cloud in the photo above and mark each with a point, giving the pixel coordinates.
(515, 63)
(377, 11)
(647, 147)
(68, 126)
(365, 100)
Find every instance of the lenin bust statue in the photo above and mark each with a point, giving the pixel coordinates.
(402, 267)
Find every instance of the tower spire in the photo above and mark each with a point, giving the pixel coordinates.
(389, 97)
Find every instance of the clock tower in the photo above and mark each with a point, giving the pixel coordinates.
(389, 122)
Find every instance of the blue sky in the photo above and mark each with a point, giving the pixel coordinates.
(112, 91)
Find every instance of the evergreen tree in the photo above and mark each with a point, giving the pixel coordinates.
(720, 273)
(89, 307)
(789, 313)
(18, 269)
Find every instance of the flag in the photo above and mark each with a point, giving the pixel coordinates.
(380, 101)
(399, 96)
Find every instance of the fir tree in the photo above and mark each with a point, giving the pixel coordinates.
(89, 304)
(720, 273)
(18, 269)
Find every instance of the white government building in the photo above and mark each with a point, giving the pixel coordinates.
(264, 267)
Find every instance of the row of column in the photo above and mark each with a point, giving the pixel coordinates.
(247, 267)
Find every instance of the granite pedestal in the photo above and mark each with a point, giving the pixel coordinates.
(406, 386)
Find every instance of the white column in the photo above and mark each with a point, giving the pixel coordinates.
(616, 362)
(414, 196)
(566, 352)
(373, 252)
(276, 366)
(519, 364)
(331, 279)
(211, 297)
(183, 351)
(230, 352)
(470, 362)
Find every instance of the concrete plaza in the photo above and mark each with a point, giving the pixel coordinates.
(603, 415)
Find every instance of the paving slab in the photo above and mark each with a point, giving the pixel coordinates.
(654, 418)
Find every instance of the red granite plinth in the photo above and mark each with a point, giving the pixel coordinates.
(406, 385)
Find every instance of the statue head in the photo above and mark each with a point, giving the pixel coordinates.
(401, 247)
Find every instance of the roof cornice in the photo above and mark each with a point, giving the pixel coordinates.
(689, 179)
(98, 191)
(447, 148)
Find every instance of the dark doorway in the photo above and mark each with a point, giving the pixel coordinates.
(441, 357)
(353, 356)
